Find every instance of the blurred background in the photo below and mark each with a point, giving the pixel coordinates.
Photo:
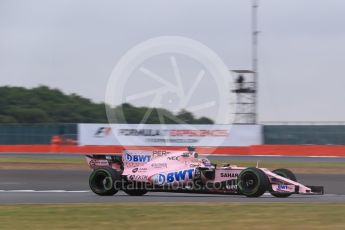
(286, 68)
(56, 58)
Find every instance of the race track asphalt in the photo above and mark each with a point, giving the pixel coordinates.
(53, 186)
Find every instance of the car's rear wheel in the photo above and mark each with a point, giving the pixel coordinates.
(135, 192)
(135, 189)
(253, 182)
(286, 173)
(103, 181)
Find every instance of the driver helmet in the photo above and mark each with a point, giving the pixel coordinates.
(191, 149)
(205, 161)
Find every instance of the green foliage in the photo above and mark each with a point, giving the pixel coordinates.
(7, 119)
(43, 104)
(127, 113)
(29, 115)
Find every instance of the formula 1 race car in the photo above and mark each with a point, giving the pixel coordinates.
(138, 171)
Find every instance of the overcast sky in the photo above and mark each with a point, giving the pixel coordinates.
(74, 45)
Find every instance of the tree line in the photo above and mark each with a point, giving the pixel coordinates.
(45, 105)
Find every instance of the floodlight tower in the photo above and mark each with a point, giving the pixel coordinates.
(255, 40)
(246, 86)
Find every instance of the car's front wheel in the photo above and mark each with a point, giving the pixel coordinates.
(253, 182)
(286, 173)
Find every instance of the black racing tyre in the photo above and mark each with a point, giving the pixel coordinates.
(286, 173)
(135, 192)
(102, 181)
(135, 189)
(253, 182)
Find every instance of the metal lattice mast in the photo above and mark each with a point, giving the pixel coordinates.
(255, 34)
(246, 82)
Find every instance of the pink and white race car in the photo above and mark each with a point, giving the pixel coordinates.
(138, 171)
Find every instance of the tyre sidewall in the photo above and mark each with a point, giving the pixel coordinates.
(95, 186)
(286, 173)
(261, 186)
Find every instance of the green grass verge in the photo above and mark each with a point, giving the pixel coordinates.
(263, 164)
(46, 162)
(42, 160)
(285, 164)
(173, 216)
